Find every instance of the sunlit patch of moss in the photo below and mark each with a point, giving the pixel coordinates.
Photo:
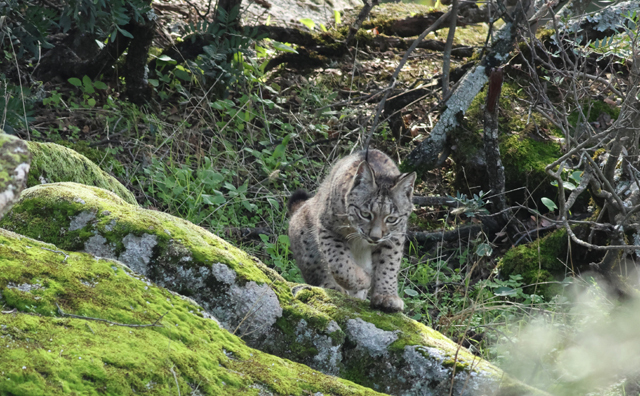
(538, 262)
(527, 145)
(55, 163)
(46, 211)
(593, 109)
(45, 354)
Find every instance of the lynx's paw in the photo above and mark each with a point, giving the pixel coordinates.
(387, 303)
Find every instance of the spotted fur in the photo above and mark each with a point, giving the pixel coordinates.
(350, 235)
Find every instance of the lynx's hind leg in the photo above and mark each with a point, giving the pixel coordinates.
(305, 251)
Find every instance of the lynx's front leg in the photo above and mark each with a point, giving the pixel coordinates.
(386, 263)
(341, 264)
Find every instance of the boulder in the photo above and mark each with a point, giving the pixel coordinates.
(52, 163)
(72, 323)
(14, 167)
(327, 331)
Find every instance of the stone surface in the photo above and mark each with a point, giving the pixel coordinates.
(14, 167)
(327, 331)
(44, 353)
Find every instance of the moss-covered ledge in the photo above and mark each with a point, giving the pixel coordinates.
(44, 353)
(329, 332)
(53, 163)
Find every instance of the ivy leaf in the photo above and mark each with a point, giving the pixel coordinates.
(549, 204)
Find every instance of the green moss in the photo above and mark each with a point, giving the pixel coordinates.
(539, 261)
(45, 354)
(106, 215)
(593, 109)
(525, 150)
(46, 211)
(55, 163)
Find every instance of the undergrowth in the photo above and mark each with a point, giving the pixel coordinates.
(227, 158)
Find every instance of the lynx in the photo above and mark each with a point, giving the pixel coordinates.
(350, 236)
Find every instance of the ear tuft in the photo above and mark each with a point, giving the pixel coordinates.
(404, 184)
(364, 174)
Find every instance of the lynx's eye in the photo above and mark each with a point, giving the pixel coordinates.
(392, 219)
(364, 215)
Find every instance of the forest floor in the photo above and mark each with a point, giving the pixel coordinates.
(228, 162)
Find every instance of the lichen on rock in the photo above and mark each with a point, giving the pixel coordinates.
(324, 330)
(14, 167)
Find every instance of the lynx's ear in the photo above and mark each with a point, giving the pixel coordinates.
(404, 184)
(364, 175)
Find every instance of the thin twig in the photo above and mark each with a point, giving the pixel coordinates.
(57, 251)
(66, 315)
(446, 56)
(364, 13)
(175, 377)
(396, 73)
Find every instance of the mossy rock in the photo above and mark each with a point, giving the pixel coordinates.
(525, 150)
(327, 331)
(53, 163)
(45, 353)
(538, 262)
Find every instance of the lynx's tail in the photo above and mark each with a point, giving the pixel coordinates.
(296, 200)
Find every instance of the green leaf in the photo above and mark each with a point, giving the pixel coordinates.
(273, 202)
(549, 204)
(99, 85)
(165, 58)
(576, 176)
(181, 74)
(308, 23)
(336, 16)
(324, 28)
(569, 186)
(91, 102)
(88, 86)
(154, 82)
(75, 81)
(410, 292)
(505, 291)
(213, 199)
(124, 32)
(283, 47)
(484, 249)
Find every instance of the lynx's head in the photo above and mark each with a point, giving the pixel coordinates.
(378, 207)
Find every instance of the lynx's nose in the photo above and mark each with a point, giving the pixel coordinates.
(376, 233)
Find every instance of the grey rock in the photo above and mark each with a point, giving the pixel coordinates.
(98, 246)
(369, 338)
(223, 273)
(138, 252)
(81, 220)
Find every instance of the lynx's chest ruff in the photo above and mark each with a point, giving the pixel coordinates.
(361, 252)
